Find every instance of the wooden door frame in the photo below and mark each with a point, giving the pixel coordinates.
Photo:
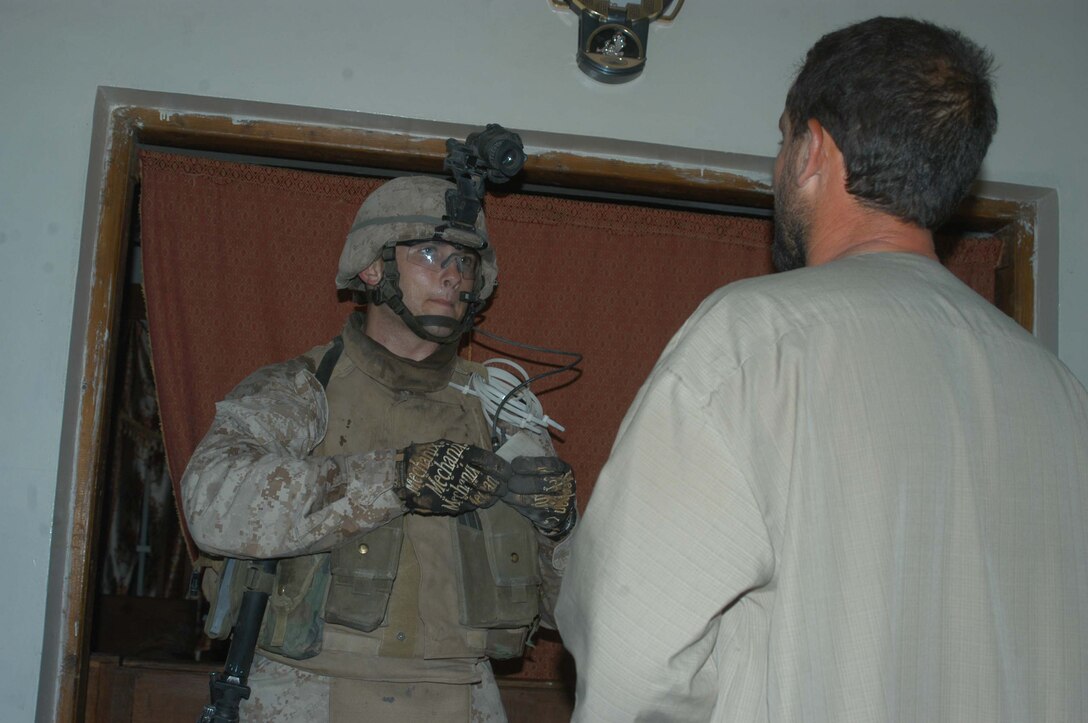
(124, 119)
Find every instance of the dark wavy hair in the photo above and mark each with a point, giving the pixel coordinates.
(910, 105)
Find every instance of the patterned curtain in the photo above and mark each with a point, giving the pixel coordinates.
(144, 552)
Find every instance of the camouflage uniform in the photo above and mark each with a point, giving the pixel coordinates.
(287, 470)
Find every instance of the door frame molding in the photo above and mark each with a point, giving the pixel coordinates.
(1025, 218)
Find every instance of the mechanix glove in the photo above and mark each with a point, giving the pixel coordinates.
(449, 478)
(542, 490)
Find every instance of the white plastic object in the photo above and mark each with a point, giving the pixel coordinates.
(523, 410)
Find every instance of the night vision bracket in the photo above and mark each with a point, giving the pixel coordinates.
(493, 154)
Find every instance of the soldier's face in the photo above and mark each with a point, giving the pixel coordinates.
(433, 290)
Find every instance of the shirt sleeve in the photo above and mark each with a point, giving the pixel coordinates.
(671, 540)
(251, 488)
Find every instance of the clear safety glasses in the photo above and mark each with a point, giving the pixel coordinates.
(437, 255)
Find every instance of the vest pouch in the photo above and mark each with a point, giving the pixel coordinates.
(506, 643)
(222, 584)
(292, 624)
(498, 576)
(363, 570)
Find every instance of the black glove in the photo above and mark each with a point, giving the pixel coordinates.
(449, 478)
(542, 490)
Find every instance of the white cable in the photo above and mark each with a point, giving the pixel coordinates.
(523, 410)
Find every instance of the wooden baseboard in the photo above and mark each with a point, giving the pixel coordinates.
(130, 691)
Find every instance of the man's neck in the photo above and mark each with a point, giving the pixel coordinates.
(845, 227)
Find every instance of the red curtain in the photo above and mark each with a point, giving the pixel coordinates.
(239, 262)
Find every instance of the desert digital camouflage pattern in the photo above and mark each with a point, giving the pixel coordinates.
(252, 490)
(286, 471)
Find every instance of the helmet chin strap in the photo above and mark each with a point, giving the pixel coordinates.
(388, 292)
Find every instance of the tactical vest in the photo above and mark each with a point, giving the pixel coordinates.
(432, 587)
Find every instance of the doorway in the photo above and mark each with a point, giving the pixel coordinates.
(126, 120)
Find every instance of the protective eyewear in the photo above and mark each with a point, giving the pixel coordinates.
(437, 255)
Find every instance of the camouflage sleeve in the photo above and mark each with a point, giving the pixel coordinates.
(251, 488)
(553, 553)
(553, 561)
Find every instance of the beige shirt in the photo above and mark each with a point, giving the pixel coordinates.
(855, 492)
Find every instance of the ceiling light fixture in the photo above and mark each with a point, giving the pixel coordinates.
(612, 38)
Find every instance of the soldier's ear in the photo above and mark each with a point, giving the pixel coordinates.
(372, 274)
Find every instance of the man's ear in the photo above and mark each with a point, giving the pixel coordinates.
(812, 154)
(372, 274)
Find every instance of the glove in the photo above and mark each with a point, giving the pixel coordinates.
(449, 478)
(542, 490)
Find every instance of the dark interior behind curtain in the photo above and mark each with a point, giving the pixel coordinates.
(239, 263)
(144, 554)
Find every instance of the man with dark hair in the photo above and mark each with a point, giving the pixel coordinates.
(854, 491)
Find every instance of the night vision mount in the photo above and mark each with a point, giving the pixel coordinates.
(493, 154)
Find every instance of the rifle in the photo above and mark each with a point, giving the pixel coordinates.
(228, 688)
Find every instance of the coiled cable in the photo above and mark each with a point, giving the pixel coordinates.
(507, 397)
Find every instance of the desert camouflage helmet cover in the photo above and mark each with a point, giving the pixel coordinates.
(407, 209)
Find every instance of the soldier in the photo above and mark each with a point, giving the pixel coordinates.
(410, 553)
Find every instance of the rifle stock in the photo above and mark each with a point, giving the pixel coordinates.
(229, 688)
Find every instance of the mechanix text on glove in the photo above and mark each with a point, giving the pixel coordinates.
(542, 490)
(450, 478)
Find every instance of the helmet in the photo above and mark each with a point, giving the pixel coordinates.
(410, 208)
